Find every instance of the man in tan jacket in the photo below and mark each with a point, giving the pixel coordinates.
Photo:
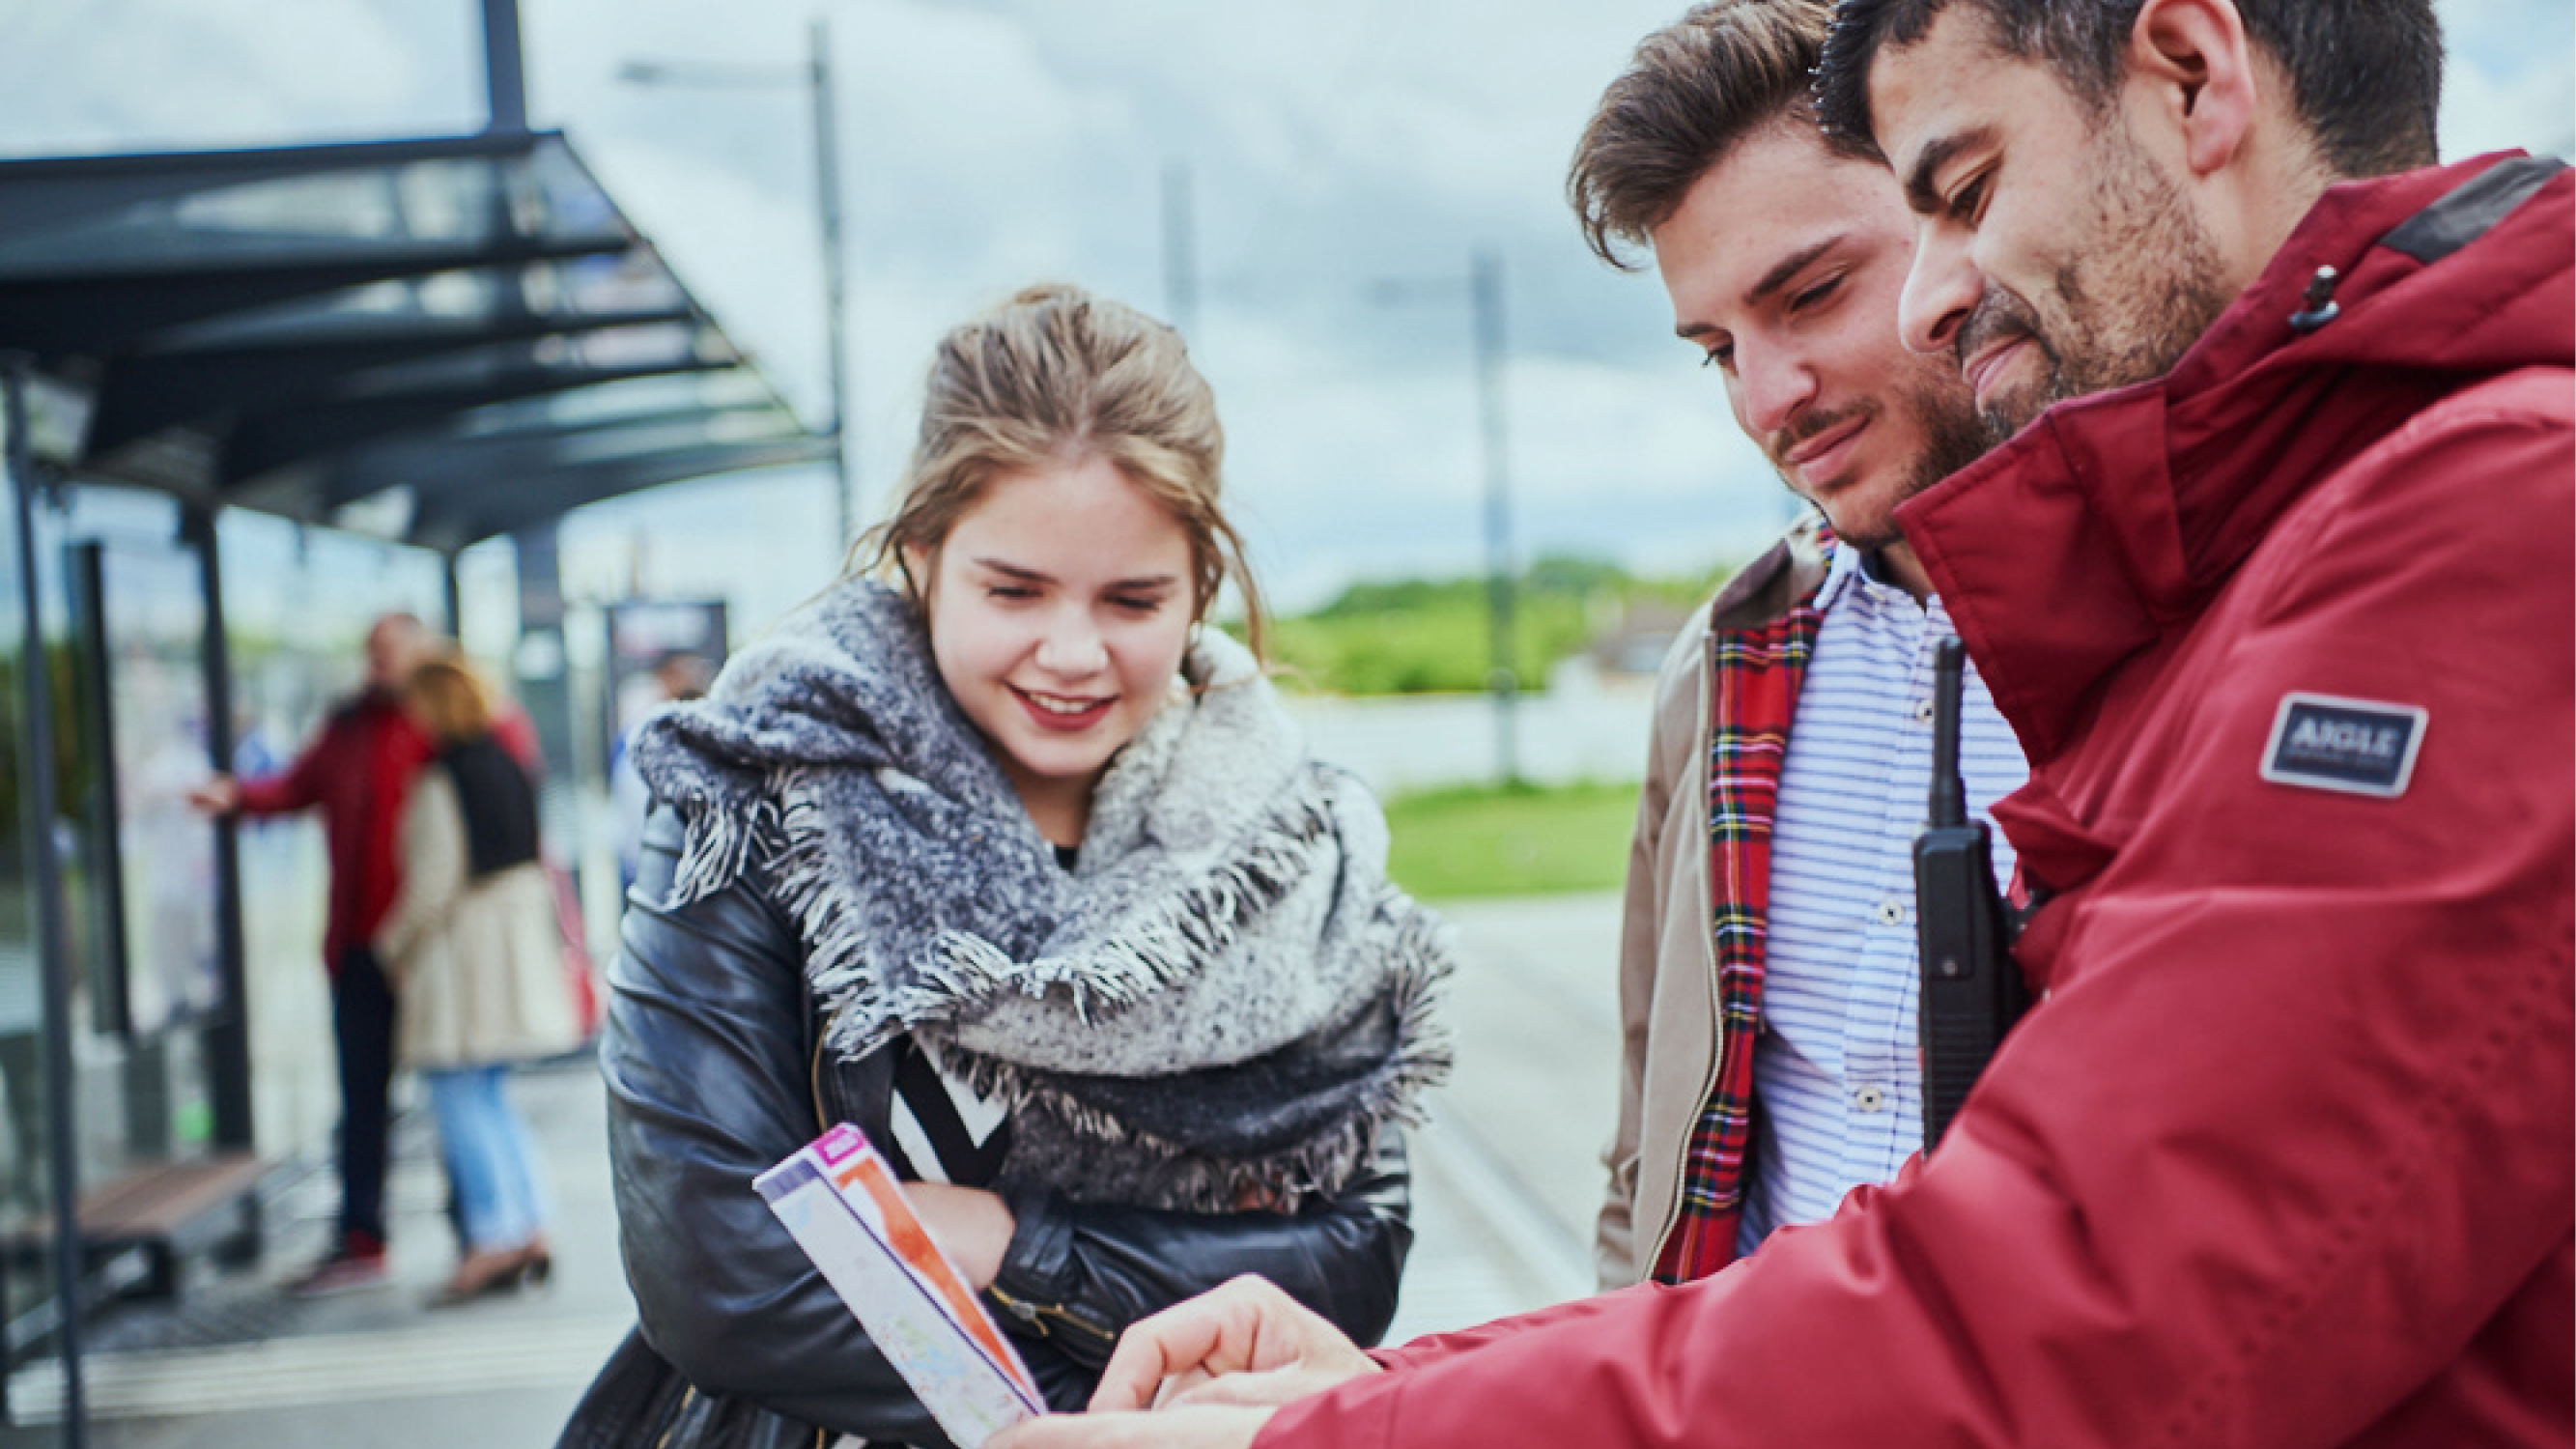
(1767, 965)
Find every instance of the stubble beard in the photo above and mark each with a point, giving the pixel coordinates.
(2130, 296)
(1945, 418)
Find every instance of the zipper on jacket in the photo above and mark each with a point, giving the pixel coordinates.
(1044, 1317)
(1645, 1268)
(688, 1395)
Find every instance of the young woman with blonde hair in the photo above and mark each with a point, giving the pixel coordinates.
(1008, 859)
(475, 954)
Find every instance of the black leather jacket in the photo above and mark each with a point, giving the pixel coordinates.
(713, 1075)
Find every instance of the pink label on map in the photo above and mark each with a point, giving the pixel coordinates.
(841, 1144)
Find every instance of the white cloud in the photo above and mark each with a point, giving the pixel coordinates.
(2511, 78)
(111, 75)
(2533, 110)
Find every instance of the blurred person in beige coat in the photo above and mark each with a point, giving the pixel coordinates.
(473, 945)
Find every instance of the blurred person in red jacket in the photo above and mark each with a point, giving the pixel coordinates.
(357, 772)
(2275, 581)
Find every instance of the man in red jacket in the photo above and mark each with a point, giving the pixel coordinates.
(358, 773)
(2283, 618)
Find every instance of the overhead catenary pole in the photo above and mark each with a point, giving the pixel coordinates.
(816, 76)
(1486, 294)
(836, 322)
(538, 662)
(505, 83)
(505, 76)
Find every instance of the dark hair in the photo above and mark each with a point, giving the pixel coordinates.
(1691, 93)
(2365, 75)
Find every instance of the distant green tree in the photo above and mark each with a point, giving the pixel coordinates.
(1423, 636)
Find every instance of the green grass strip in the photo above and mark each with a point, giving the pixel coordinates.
(1511, 841)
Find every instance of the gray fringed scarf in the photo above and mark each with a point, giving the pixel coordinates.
(1220, 1003)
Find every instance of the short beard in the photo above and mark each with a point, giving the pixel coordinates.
(2131, 295)
(1953, 437)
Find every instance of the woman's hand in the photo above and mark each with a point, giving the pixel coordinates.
(972, 1226)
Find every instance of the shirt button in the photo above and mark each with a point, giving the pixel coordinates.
(1922, 711)
(1891, 913)
(1869, 1099)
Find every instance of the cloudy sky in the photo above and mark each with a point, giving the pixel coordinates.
(1345, 161)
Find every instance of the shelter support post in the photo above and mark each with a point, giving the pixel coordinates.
(227, 1040)
(543, 670)
(40, 809)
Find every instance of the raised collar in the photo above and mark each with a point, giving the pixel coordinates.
(2114, 517)
(1850, 572)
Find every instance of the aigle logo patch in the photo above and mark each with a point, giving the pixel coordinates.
(2357, 746)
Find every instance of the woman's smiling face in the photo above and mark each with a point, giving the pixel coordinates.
(1060, 607)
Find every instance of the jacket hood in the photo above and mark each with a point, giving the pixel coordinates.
(2114, 516)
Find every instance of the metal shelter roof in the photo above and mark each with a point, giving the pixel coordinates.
(456, 338)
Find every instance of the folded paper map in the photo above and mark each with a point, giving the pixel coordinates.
(841, 1201)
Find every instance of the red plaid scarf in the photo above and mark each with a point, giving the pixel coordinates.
(1754, 678)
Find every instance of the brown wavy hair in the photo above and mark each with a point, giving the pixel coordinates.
(451, 699)
(1057, 376)
(1692, 92)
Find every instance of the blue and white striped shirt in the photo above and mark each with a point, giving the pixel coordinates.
(1837, 1081)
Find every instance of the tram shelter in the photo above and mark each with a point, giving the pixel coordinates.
(248, 401)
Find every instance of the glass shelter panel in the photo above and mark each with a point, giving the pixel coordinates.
(297, 604)
(27, 1284)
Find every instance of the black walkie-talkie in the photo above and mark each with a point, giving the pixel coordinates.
(1972, 991)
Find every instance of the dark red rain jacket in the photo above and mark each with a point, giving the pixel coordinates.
(2286, 1156)
(358, 773)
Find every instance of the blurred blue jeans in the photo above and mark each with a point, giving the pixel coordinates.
(489, 1161)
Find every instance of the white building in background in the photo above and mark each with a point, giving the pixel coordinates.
(1586, 728)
